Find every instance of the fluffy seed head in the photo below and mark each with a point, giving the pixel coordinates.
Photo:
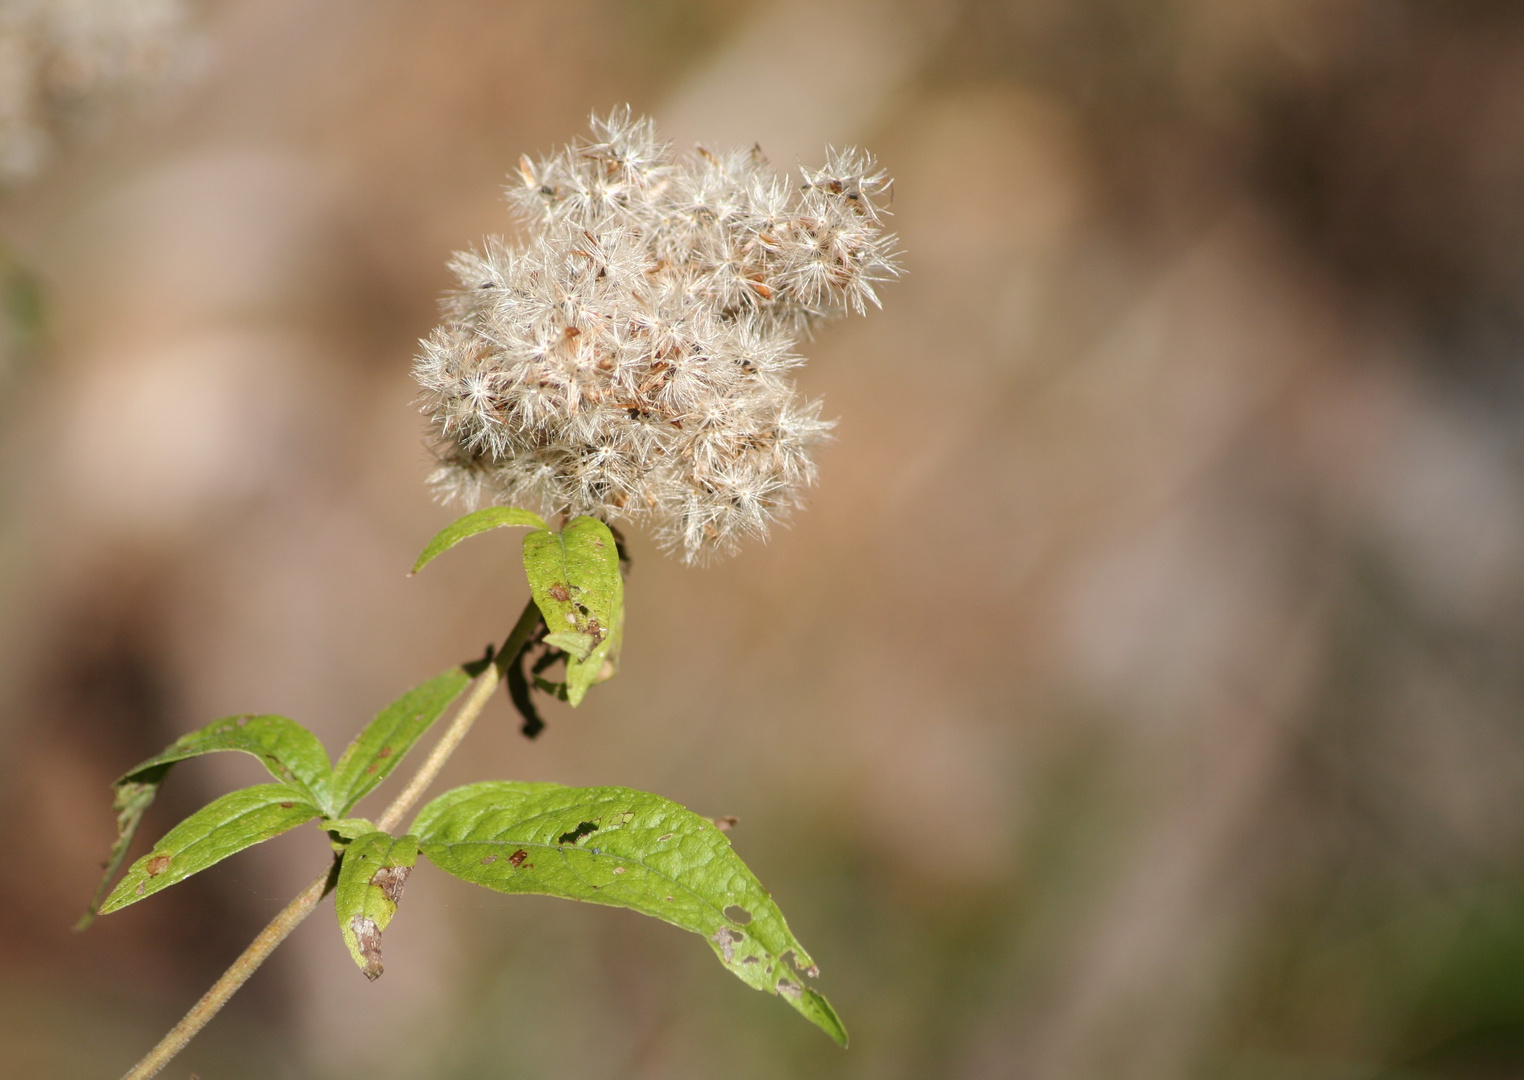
(632, 358)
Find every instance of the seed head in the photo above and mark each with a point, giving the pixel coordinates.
(632, 358)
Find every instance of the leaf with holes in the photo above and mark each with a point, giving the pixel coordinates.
(462, 528)
(375, 868)
(388, 738)
(289, 751)
(574, 576)
(628, 849)
(238, 820)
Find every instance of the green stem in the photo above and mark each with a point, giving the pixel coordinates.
(292, 914)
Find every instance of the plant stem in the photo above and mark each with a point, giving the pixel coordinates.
(481, 691)
(236, 975)
(292, 914)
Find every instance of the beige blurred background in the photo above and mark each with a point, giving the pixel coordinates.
(1139, 699)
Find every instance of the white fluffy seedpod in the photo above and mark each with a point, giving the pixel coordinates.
(632, 359)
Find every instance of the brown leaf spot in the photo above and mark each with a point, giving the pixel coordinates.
(287, 805)
(618, 869)
(518, 857)
(391, 880)
(789, 989)
(370, 768)
(384, 752)
(157, 865)
(488, 860)
(664, 838)
(368, 941)
(559, 594)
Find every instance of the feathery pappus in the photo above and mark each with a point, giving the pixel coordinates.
(633, 358)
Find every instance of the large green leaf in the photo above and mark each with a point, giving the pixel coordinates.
(375, 868)
(289, 751)
(387, 738)
(237, 820)
(492, 517)
(629, 849)
(574, 576)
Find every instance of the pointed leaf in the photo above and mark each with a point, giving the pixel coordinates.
(388, 738)
(237, 820)
(375, 868)
(492, 517)
(629, 849)
(290, 752)
(574, 576)
(133, 798)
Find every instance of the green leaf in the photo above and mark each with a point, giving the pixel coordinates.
(387, 739)
(375, 868)
(237, 820)
(290, 752)
(574, 576)
(133, 798)
(629, 849)
(492, 517)
(343, 831)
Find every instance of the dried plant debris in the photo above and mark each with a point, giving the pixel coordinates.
(633, 358)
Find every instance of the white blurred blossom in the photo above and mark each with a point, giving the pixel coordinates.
(632, 360)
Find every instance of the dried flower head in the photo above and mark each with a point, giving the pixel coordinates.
(632, 359)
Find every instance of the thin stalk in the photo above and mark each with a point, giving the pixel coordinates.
(227, 985)
(481, 691)
(292, 914)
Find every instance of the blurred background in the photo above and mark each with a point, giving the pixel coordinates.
(1139, 699)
